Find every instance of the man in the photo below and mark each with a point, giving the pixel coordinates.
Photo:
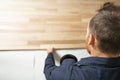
(102, 43)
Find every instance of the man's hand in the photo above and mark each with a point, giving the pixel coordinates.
(50, 50)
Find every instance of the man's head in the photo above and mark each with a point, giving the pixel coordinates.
(103, 33)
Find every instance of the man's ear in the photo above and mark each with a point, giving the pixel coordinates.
(91, 39)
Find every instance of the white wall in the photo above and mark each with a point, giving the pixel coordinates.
(28, 65)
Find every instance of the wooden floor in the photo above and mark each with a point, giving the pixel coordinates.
(37, 24)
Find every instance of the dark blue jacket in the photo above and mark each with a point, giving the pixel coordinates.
(90, 68)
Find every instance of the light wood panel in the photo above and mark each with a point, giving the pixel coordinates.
(36, 24)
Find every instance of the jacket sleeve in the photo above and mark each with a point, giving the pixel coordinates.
(49, 66)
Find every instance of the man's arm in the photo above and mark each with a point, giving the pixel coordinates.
(49, 63)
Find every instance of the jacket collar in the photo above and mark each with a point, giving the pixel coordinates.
(98, 61)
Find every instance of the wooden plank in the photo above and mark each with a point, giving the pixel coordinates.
(37, 24)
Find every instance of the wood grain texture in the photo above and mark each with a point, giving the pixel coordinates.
(37, 24)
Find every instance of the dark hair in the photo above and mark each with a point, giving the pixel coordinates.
(105, 26)
(68, 56)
